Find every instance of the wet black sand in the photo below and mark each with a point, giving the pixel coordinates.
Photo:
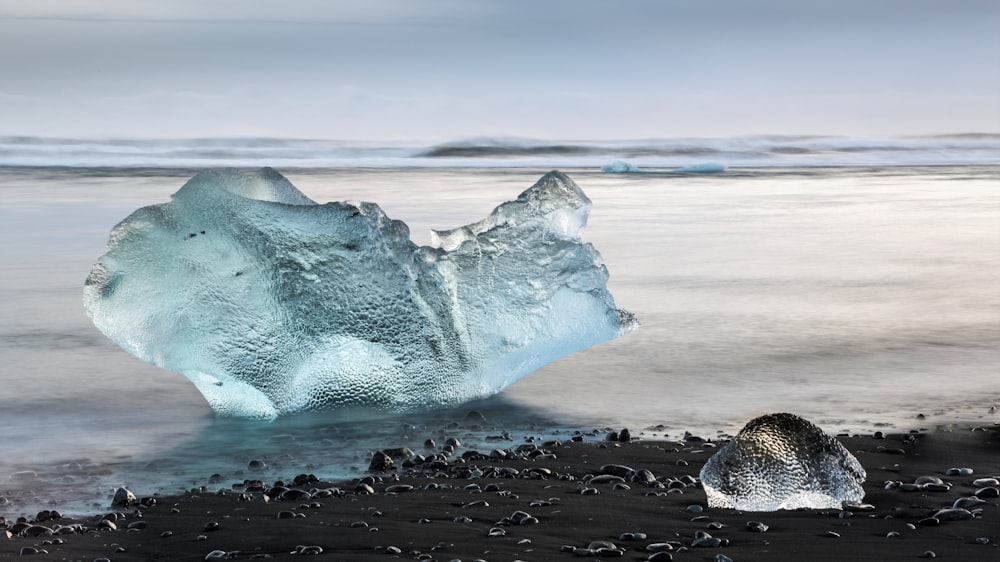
(467, 508)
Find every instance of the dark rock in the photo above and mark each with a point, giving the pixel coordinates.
(381, 462)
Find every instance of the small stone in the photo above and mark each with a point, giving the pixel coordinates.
(722, 558)
(966, 503)
(982, 540)
(28, 551)
(37, 531)
(217, 555)
(662, 556)
(381, 462)
(757, 526)
(632, 537)
(929, 554)
(212, 526)
(988, 492)
(833, 534)
(978, 482)
(694, 508)
(257, 464)
(123, 498)
(953, 514)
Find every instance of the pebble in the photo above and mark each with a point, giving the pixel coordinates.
(959, 471)
(982, 540)
(988, 492)
(37, 531)
(978, 482)
(966, 503)
(757, 526)
(833, 534)
(308, 549)
(257, 464)
(929, 554)
(694, 508)
(123, 498)
(722, 558)
(380, 462)
(217, 555)
(953, 514)
(632, 537)
(662, 556)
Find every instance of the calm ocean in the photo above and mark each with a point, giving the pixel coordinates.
(854, 282)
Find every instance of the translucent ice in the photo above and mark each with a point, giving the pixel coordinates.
(273, 304)
(619, 167)
(781, 461)
(703, 168)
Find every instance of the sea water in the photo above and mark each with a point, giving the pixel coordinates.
(859, 297)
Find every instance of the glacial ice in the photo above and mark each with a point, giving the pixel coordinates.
(273, 304)
(703, 168)
(781, 461)
(620, 167)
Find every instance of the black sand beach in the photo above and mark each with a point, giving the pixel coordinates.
(529, 500)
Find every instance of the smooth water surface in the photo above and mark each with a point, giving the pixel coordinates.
(854, 297)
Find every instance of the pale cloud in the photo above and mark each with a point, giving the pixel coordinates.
(567, 69)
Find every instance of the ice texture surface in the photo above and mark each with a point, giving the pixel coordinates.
(273, 304)
(781, 461)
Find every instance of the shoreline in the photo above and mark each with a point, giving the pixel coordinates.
(533, 500)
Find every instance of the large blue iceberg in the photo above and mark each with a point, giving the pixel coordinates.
(273, 304)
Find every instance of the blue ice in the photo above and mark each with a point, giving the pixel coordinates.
(273, 304)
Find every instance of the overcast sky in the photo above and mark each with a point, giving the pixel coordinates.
(446, 69)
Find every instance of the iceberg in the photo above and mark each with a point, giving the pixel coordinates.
(703, 168)
(620, 167)
(272, 304)
(781, 461)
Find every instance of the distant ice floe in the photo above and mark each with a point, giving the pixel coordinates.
(704, 168)
(622, 167)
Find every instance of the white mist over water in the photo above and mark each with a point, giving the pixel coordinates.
(852, 297)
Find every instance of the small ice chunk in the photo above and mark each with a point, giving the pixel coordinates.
(781, 461)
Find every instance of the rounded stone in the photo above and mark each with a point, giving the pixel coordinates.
(988, 492)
